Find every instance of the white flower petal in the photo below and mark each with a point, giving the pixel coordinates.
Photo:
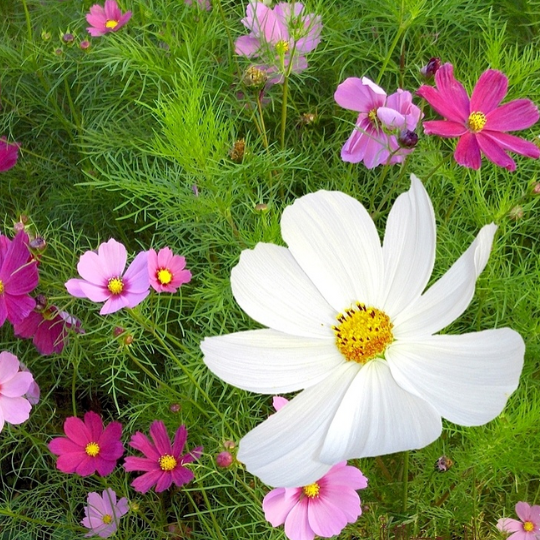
(282, 451)
(334, 240)
(272, 289)
(270, 362)
(448, 298)
(467, 378)
(408, 248)
(378, 417)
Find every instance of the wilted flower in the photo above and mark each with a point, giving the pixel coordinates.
(237, 151)
(431, 67)
(443, 464)
(108, 18)
(526, 529)
(102, 513)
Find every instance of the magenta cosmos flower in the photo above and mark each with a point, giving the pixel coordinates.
(167, 271)
(373, 140)
(279, 34)
(526, 529)
(479, 122)
(102, 513)
(322, 508)
(163, 462)
(88, 447)
(104, 279)
(18, 277)
(14, 384)
(9, 154)
(108, 18)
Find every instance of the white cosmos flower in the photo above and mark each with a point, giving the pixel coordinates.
(349, 325)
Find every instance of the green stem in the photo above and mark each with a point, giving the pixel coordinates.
(212, 516)
(405, 480)
(262, 129)
(390, 191)
(285, 96)
(73, 390)
(28, 21)
(399, 33)
(436, 168)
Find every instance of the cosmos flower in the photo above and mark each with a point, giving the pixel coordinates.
(88, 447)
(480, 122)
(167, 271)
(526, 529)
(108, 18)
(102, 513)
(163, 463)
(322, 508)
(15, 383)
(104, 279)
(373, 140)
(351, 328)
(9, 154)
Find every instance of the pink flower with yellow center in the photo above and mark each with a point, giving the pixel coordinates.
(528, 528)
(103, 513)
(480, 122)
(108, 18)
(167, 271)
(104, 279)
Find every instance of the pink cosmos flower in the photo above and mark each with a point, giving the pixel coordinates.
(526, 529)
(322, 508)
(14, 384)
(163, 462)
(88, 447)
(479, 122)
(33, 393)
(18, 277)
(167, 271)
(9, 154)
(104, 281)
(109, 18)
(279, 34)
(373, 140)
(103, 513)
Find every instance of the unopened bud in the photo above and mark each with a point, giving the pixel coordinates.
(224, 460)
(408, 139)
(45, 36)
(128, 340)
(431, 67)
(68, 38)
(229, 445)
(41, 302)
(536, 189)
(38, 243)
(443, 464)
(85, 44)
(118, 331)
(261, 208)
(516, 213)
(59, 51)
(175, 407)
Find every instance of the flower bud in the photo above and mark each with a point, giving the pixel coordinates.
(261, 208)
(408, 139)
(45, 36)
(224, 460)
(41, 302)
(229, 445)
(85, 44)
(68, 38)
(429, 70)
(516, 213)
(175, 407)
(38, 243)
(118, 331)
(536, 189)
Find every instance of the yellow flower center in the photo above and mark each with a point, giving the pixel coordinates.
(528, 526)
(282, 47)
(167, 462)
(363, 333)
(92, 449)
(477, 121)
(111, 24)
(164, 276)
(1, 287)
(107, 518)
(115, 285)
(312, 490)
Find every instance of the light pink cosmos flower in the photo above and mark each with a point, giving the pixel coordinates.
(88, 447)
(104, 279)
(323, 508)
(526, 529)
(163, 462)
(9, 154)
(282, 32)
(373, 140)
(103, 513)
(14, 384)
(108, 18)
(167, 271)
(480, 122)
(18, 277)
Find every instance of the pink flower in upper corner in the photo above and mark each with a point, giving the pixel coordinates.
(323, 508)
(108, 18)
(9, 154)
(103, 513)
(104, 279)
(201, 4)
(14, 384)
(167, 271)
(88, 447)
(18, 277)
(374, 139)
(479, 122)
(279, 35)
(526, 529)
(163, 463)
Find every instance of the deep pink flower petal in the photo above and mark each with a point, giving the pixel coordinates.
(297, 524)
(94, 424)
(3, 309)
(165, 258)
(104, 466)
(247, 46)
(451, 90)
(278, 503)
(87, 466)
(122, 20)
(441, 104)
(133, 463)
(15, 410)
(94, 32)
(325, 518)
(61, 445)
(68, 463)
(144, 482)
(23, 280)
(513, 143)
(77, 431)
(9, 366)
(181, 476)
(159, 435)
(361, 95)
(195, 454)
(18, 307)
(27, 328)
(489, 91)
(444, 128)
(112, 11)
(110, 443)
(9, 154)
(164, 482)
(180, 438)
(512, 116)
(467, 152)
(17, 386)
(494, 152)
(141, 442)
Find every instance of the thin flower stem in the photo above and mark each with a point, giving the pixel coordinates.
(405, 480)
(228, 31)
(397, 37)
(73, 390)
(28, 21)
(384, 469)
(212, 516)
(436, 168)
(262, 129)
(285, 96)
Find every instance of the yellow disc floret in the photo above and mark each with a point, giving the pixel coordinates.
(92, 449)
(167, 462)
(164, 276)
(372, 116)
(115, 285)
(1, 287)
(363, 333)
(111, 23)
(107, 518)
(282, 47)
(477, 121)
(528, 526)
(312, 490)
